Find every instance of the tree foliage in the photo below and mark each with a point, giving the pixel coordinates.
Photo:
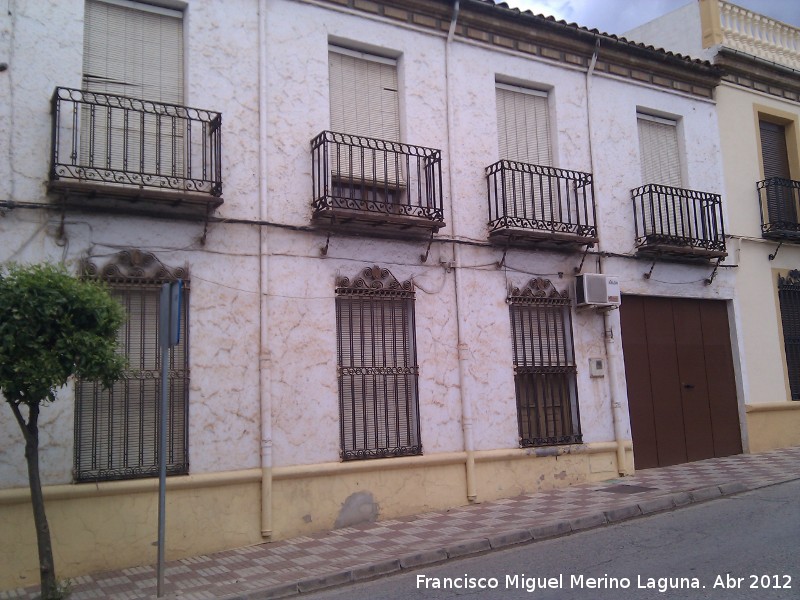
(52, 327)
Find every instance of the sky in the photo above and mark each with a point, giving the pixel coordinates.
(618, 16)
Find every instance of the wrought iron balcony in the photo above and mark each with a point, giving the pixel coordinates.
(376, 186)
(107, 147)
(538, 205)
(678, 223)
(779, 200)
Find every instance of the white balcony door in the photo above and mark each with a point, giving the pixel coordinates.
(133, 50)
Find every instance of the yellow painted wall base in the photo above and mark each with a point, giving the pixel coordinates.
(773, 425)
(114, 525)
(323, 497)
(107, 527)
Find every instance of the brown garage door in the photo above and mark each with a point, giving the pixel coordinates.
(681, 387)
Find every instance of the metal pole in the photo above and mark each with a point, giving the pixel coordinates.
(162, 436)
(162, 467)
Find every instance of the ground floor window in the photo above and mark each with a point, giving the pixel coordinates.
(544, 365)
(377, 366)
(116, 429)
(789, 296)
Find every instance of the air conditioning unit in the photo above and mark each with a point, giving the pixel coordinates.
(592, 289)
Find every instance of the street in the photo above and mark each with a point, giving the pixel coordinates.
(742, 546)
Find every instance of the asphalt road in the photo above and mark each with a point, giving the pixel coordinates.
(743, 546)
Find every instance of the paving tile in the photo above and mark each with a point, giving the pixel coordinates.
(275, 570)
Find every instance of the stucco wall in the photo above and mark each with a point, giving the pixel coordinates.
(764, 361)
(299, 284)
(221, 75)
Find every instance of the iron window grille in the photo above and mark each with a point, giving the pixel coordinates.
(116, 429)
(369, 175)
(678, 218)
(779, 200)
(116, 140)
(377, 366)
(541, 198)
(789, 297)
(545, 374)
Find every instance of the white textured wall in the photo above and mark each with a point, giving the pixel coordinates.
(301, 284)
(222, 45)
(45, 51)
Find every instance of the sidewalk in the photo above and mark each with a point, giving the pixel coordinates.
(352, 554)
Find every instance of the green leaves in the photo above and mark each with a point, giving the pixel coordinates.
(54, 326)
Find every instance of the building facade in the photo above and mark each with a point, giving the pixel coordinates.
(758, 107)
(426, 245)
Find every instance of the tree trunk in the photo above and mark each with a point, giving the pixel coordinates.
(47, 572)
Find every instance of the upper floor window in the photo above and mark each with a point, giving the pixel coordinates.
(659, 151)
(125, 141)
(363, 94)
(523, 125)
(134, 51)
(779, 194)
(364, 179)
(530, 201)
(670, 220)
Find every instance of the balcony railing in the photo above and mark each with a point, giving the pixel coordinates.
(125, 144)
(360, 180)
(539, 204)
(779, 200)
(759, 35)
(678, 223)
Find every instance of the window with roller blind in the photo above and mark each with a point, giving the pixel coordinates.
(523, 125)
(659, 151)
(523, 132)
(779, 192)
(377, 367)
(133, 50)
(545, 374)
(116, 429)
(364, 103)
(666, 214)
(363, 94)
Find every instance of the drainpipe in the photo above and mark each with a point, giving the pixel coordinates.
(463, 348)
(265, 397)
(609, 321)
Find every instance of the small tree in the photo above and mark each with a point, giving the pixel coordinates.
(52, 327)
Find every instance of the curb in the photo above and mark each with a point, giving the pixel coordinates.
(502, 540)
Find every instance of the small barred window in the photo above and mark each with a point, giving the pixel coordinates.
(545, 375)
